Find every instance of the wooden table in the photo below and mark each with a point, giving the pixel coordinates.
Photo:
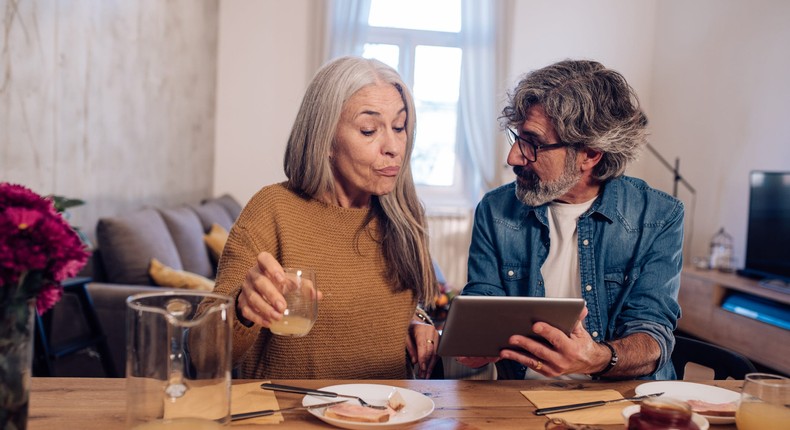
(99, 403)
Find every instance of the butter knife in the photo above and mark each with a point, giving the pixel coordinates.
(267, 412)
(575, 406)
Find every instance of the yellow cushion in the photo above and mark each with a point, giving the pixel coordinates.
(165, 276)
(215, 239)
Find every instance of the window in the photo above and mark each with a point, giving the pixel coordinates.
(422, 41)
(446, 51)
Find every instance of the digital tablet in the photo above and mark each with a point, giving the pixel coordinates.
(480, 326)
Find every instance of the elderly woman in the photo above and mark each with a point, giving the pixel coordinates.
(350, 212)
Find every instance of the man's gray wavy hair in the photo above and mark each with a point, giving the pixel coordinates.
(587, 104)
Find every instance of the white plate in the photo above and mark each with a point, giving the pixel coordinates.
(698, 419)
(691, 391)
(418, 406)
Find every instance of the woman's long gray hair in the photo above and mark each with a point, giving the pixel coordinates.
(307, 166)
(588, 104)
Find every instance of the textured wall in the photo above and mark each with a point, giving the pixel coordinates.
(111, 101)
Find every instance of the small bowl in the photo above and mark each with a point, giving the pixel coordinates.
(698, 419)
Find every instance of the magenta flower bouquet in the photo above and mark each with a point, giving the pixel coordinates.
(38, 250)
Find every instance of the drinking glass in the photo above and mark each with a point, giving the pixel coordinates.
(300, 293)
(764, 403)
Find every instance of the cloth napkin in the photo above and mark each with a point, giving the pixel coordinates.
(198, 403)
(599, 415)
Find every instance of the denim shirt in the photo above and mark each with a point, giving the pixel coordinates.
(630, 258)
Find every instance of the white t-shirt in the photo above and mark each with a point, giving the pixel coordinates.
(561, 274)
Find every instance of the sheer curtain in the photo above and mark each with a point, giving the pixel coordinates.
(483, 41)
(346, 27)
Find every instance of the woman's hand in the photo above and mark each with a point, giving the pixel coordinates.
(261, 300)
(421, 344)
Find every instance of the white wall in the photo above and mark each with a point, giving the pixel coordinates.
(617, 33)
(721, 102)
(711, 75)
(266, 58)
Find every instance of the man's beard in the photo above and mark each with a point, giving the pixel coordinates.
(534, 192)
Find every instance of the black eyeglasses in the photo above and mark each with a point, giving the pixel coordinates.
(527, 147)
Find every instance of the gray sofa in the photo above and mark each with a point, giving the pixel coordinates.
(119, 268)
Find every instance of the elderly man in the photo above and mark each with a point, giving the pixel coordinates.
(572, 225)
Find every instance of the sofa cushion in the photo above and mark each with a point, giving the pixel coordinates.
(187, 232)
(212, 212)
(231, 206)
(165, 276)
(129, 242)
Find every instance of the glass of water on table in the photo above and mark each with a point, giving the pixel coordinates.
(301, 296)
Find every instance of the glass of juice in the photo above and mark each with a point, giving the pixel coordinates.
(301, 296)
(764, 403)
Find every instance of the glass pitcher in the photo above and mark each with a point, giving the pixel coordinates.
(178, 360)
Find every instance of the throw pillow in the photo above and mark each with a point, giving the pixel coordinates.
(215, 240)
(165, 276)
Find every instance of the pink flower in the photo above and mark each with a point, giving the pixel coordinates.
(48, 296)
(35, 239)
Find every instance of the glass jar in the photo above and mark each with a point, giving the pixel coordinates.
(721, 251)
(662, 413)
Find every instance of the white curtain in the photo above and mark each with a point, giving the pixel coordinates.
(483, 44)
(346, 26)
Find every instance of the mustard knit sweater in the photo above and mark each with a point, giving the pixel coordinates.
(362, 325)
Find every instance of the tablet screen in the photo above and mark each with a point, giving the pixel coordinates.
(480, 326)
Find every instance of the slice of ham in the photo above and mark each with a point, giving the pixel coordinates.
(713, 409)
(357, 413)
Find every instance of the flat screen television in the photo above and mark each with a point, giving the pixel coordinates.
(768, 232)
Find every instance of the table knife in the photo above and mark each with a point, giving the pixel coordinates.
(575, 406)
(267, 412)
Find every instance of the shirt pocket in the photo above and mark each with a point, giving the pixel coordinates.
(616, 282)
(514, 278)
(619, 283)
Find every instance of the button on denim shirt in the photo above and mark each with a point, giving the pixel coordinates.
(630, 258)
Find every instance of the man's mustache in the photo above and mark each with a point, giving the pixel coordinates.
(524, 173)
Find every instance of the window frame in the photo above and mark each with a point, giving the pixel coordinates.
(433, 196)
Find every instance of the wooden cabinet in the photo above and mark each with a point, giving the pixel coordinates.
(702, 293)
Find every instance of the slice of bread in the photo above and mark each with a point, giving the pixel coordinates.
(396, 401)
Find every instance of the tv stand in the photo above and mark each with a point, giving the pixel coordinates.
(702, 293)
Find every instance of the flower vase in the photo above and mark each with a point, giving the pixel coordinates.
(16, 361)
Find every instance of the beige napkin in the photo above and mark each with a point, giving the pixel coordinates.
(197, 403)
(600, 415)
(250, 398)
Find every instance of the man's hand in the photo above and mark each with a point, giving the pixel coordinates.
(579, 353)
